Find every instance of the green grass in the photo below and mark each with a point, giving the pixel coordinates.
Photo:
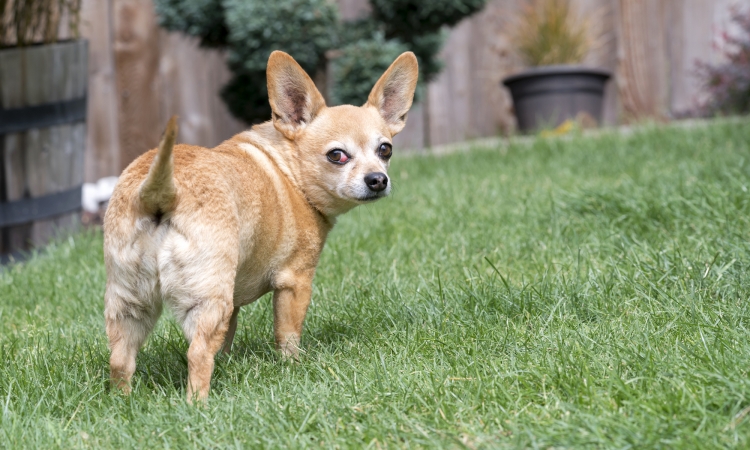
(590, 292)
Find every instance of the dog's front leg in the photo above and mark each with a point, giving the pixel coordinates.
(289, 309)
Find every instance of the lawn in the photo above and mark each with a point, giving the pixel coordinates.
(581, 292)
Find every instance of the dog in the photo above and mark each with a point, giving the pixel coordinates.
(207, 231)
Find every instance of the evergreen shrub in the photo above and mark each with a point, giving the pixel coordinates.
(312, 31)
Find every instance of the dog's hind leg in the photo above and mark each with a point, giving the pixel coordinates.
(197, 280)
(209, 323)
(127, 330)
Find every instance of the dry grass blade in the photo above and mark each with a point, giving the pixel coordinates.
(550, 32)
(53, 21)
(4, 20)
(26, 22)
(74, 17)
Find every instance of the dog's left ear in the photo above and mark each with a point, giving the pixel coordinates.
(295, 101)
(394, 91)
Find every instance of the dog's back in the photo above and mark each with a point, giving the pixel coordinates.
(229, 220)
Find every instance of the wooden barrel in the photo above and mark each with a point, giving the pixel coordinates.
(42, 142)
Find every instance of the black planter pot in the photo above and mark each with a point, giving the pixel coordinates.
(544, 97)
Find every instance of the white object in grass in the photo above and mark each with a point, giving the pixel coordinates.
(96, 193)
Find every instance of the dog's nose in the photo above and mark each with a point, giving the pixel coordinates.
(376, 181)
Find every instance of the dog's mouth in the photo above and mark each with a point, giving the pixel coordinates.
(370, 198)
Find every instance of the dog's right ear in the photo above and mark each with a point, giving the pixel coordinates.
(394, 91)
(295, 101)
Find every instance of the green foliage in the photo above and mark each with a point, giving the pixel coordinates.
(199, 18)
(246, 96)
(303, 28)
(577, 293)
(353, 70)
(251, 30)
(426, 47)
(308, 29)
(407, 18)
(421, 24)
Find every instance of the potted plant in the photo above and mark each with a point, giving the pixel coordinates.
(554, 41)
(43, 84)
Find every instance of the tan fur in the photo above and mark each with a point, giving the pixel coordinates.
(207, 231)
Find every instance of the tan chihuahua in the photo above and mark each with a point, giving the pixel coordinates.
(207, 231)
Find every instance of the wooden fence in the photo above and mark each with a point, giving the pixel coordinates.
(140, 75)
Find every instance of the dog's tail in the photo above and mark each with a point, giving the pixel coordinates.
(158, 193)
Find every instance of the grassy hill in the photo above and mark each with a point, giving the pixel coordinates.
(583, 292)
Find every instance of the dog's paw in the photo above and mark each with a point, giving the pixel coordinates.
(195, 399)
(120, 385)
(289, 352)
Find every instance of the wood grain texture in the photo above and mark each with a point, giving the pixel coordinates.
(136, 46)
(412, 136)
(103, 136)
(602, 16)
(12, 79)
(467, 100)
(46, 160)
(191, 90)
(160, 74)
(643, 59)
(55, 72)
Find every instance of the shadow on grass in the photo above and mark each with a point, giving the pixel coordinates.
(162, 363)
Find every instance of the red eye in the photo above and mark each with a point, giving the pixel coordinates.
(337, 156)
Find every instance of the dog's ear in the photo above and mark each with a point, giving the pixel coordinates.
(394, 91)
(294, 99)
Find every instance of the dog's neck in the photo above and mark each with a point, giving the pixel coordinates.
(282, 152)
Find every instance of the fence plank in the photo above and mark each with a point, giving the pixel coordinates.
(192, 91)
(102, 139)
(467, 100)
(136, 47)
(490, 105)
(644, 60)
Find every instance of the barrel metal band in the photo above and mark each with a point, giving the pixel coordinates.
(37, 208)
(42, 116)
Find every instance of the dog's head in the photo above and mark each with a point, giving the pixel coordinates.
(343, 151)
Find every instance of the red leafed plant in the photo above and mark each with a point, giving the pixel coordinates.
(728, 83)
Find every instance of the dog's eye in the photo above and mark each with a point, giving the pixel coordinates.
(385, 150)
(337, 156)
